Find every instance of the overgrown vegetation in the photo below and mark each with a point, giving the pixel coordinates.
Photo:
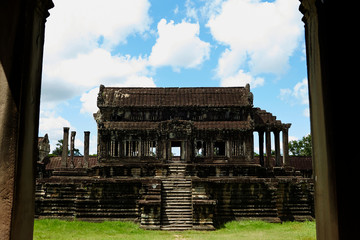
(78, 230)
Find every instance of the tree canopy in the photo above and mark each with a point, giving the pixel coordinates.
(301, 147)
(58, 150)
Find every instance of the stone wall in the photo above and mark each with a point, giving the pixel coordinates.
(88, 199)
(269, 199)
(215, 200)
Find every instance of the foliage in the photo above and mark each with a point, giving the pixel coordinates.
(301, 147)
(57, 229)
(58, 150)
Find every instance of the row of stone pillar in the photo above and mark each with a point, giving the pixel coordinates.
(266, 162)
(64, 156)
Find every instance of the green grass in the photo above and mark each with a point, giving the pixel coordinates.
(252, 230)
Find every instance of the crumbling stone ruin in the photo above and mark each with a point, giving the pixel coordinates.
(178, 159)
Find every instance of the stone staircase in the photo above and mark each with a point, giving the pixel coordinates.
(176, 210)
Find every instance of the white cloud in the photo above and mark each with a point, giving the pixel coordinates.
(179, 45)
(298, 95)
(191, 11)
(88, 99)
(241, 79)
(301, 91)
(72, 77)
(176, 10)
(74, 58)
(53, 125)
(77, 56)
(75, 26)
(258, 35)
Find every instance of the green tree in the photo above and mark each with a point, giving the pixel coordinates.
(301, 147)
(58, 150)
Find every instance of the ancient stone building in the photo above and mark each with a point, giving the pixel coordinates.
(44, 147)
(204, 125)
(22, 31)
(177, 159)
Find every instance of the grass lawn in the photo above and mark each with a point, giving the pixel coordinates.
(76, 230)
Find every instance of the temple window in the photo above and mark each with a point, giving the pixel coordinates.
(131, 148)
(149, 148)
(176, 149)
(237, 148)
(219, 148)
(200, 149)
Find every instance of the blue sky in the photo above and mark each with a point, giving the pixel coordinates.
(158, 43)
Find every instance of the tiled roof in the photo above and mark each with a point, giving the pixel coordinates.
(234, 125)
(131, 125)
(174, 97)
(55, 162)
(264, 117)
(201, 125)
(300, 162)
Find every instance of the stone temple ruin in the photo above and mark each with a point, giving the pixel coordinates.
(177, 159)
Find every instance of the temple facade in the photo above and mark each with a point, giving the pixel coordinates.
(177, 159)
(188, 125)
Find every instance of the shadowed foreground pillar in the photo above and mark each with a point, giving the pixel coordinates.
(21, 49)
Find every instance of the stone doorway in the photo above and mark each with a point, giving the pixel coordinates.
(176, 151)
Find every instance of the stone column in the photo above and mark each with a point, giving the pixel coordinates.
(277, 148)
(72, 147)
(183, 150)
(227, 149)
(65, 148)
(168, 150)
(86, 149)
(285, 140)
(139, 148)
(22, 25)
(268, 149)
(261, 147)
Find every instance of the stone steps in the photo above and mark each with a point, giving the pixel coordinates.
(176, 210)
(176, 227)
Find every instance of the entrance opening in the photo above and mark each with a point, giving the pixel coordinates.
(219, 148)
(200, 150)
(176, 149)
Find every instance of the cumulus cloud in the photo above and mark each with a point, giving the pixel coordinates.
(241, 79)
(179, 46)
(53, 125)
(79, 38)
(75, 59)
(258, 35)
(76, 26)
(88, 99)
(297, 95)
(72, 77)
